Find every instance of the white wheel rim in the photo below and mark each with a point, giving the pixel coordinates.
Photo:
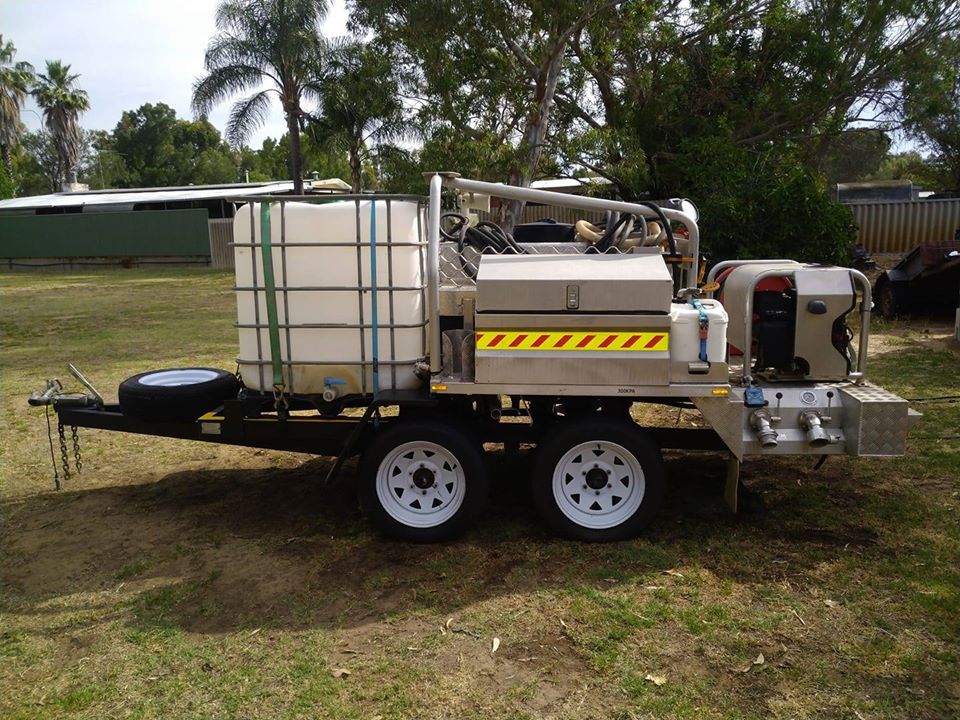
(583, 499)
(405, 493)
(174, 378)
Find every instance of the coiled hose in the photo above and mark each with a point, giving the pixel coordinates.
(483, 236)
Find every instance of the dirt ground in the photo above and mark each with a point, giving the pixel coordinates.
(172, 579)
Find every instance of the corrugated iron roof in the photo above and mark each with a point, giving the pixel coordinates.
(137, 196)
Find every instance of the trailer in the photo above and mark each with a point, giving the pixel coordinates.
(405, 331)
(927, 278)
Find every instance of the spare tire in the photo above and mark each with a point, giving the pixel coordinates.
(176, 393)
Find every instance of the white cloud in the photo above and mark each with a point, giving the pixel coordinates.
(128, 52)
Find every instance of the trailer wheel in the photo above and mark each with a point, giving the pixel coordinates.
(598, 479)
(892, 297)
(423, 480)
(176, 393)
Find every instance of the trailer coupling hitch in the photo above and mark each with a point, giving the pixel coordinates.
(55, 396)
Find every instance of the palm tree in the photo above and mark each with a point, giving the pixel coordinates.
(15, 80)
(62, 102)
(360, 106)
(276, 42)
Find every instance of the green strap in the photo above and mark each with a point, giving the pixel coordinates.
(270, 289)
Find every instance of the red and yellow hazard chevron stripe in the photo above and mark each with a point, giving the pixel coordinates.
(592, 340)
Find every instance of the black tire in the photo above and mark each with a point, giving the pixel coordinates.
(398, 521)
(892, 300)
(153, 400)
(607, 432)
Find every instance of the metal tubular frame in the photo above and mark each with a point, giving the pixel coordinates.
(865, 307)
(547, 197)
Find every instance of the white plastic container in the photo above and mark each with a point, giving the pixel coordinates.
(325, 256)
(685, 332)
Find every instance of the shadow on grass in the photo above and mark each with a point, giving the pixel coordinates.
(217, 550)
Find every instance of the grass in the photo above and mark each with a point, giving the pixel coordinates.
(173, 579)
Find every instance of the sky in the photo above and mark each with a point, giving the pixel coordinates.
(128, 52)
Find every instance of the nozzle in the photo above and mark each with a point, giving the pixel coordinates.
(811, 421)
(761, 422)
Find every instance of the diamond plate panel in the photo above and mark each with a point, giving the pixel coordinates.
(877, 421)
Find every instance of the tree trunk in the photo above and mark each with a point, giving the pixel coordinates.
(296, 162)
(534, 136)
(7, 160)
(356, 171)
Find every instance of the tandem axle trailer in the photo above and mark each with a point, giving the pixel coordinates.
(389, 328)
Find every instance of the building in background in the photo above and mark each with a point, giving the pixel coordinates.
(150, 226)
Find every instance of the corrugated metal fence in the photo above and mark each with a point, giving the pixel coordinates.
(221, 235)
(895, 227)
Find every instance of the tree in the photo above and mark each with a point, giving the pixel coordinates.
(155, 148)
(360, 106)
(263, 41)
(761, 72)
(45, 170)
(489, 69)
(55, 91)
(932, 113)
(15, 81)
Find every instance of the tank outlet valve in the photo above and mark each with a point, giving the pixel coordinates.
(762, 422)
(812, 423)
(331, 393)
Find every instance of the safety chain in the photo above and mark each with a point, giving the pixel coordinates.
(64, 452)
(75, 436)
(64, 458)
(53, 458)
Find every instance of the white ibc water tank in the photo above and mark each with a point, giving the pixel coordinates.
(685, 332)
(328, 249)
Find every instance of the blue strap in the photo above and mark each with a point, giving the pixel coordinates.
(704, 328)
(374, 323)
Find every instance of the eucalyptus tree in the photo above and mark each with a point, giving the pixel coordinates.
(62, 102)
(15, 81)
(272, 43)
(359, 104)
(490, 69)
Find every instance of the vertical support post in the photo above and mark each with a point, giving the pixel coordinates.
(374, 320)
(732, 487)
(433, 275)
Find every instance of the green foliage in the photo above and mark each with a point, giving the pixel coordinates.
(8, 188)
(267, 48)
(854, 155)
(154, 148)
(909, 166)
(360, 104)
(932, 112)
(756, 205)
(63, 102)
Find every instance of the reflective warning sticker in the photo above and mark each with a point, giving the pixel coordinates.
(592, 341)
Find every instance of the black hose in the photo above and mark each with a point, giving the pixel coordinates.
(482, 237)
(671, 241)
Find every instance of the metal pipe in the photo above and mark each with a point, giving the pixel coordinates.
(724, 264)
(433, 275)
(865, 307)
(548, 197)
(748, 317)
